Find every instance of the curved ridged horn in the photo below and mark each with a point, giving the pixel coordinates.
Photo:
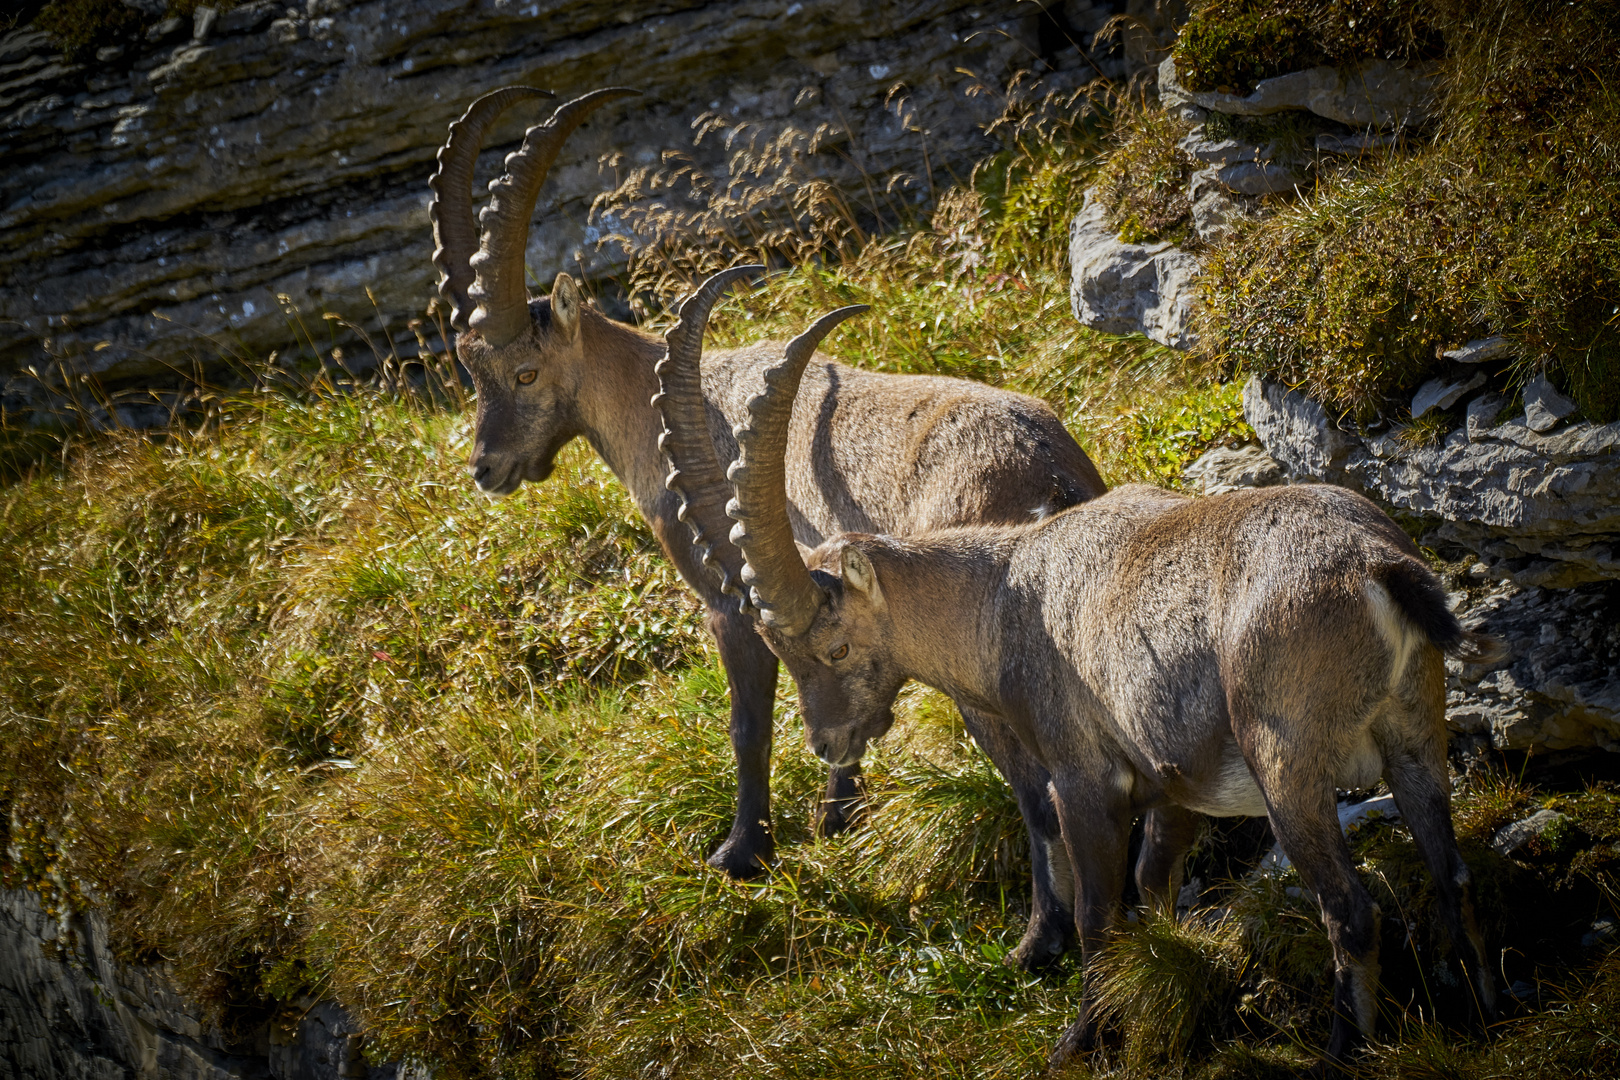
(694, 472)
(783, 590)
(455, 233)
(498, 287)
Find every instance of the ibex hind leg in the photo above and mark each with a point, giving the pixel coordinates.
(1298, 785)
(1168, 833)
(1411, 736)
(1051, 907)
(751, 676)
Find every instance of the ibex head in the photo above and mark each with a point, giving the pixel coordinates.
(524, 355)
(822, 612)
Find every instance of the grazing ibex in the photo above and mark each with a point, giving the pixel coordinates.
(1238, 655)
(868, 451)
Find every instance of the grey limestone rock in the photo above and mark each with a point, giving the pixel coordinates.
(1443, 393)
(1228, 468)
(69, 1010)
(1560, 686)
(1376, 93)
(1297, 432)
(1215, 207)
(1244, 167)
(1360, 142)
(163, 203)
(1544, 406)
(1480, 350)
(1125, 288)
(1541, 509)
(1511, 838)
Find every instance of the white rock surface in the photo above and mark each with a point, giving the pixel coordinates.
(1376, 93)
(1544, 406)
(1228, 468)
(1443, 393)
(1245, 167)
(1216, 209)
(1125, 288)
(1480, 350)
(1510, 838)
(1358, 143)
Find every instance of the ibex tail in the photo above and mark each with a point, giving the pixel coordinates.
(1422, 599)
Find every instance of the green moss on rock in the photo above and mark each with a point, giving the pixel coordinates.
(1229, 45)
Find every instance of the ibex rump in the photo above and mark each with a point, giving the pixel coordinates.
(868, 451)
(1242, 654)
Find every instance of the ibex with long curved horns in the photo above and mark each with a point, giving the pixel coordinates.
(1238, 655)
(878, 452)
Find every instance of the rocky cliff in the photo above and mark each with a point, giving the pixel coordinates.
(70, 1011)
(158, 202)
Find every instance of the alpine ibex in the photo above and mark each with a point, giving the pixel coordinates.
(868, 451)
(1238, 655)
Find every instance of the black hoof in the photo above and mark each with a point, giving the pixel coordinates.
(740, 861)
(1041, 948)
(1081, 1038)
(834, 817)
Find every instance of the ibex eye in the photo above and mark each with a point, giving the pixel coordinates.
(840, 652)
(527, 377)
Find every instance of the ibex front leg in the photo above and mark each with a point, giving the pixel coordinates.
(840, 802)
(751, 675)
(1051, 915)
(1096, 819)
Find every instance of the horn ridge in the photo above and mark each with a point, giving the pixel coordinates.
(498, 287)
(783, 590)
(455, 233)
(695, 475)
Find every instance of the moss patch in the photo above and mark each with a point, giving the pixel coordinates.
(1143, 184)
(1229, 45)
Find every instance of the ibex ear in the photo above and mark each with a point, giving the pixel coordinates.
(805, 551)
(565, 301)
(859, 575)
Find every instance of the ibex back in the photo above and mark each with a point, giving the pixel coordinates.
(877, 452)
(1243, 654)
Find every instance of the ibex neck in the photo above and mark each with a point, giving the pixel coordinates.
(947, 630)
(615, 406)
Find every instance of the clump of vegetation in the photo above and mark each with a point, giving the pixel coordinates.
(1505, 224)
(1143, 183)
(80, 27)
(1160, 976)
(1229, 45)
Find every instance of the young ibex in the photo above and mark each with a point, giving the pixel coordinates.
(1238, 655)
(868, 451)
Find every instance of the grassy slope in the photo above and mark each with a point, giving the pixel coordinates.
(308, 716)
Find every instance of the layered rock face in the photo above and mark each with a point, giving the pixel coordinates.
(1539, 509)
(70, 1011)
(154, 205)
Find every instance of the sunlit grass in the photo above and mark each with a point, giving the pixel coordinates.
(307, 716)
